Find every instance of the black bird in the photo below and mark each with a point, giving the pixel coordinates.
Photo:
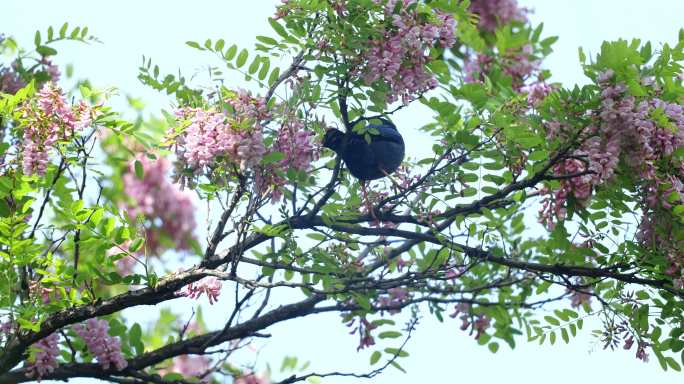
(368, 160)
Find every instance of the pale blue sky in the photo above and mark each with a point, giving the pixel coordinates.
(440, 353)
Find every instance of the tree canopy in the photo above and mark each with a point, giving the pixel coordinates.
(538, 206)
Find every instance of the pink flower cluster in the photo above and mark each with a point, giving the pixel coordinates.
(643, 133)
(251, 378)
(519, 64)
(297, 144)
(10, 80)
(48, 121)
(479, 326)
(400, 56)
(192, 366)
(364, 330)
(494, 13)
(580, 187)
(300, 149)
(537, 92)
(167, 210)
(394, 299)
(210, 285)
(45, 362)
(212, 135)
(105, 348)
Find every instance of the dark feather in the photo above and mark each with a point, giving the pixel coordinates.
(368, 161)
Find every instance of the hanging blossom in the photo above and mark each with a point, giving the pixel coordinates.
(299, 148)
(480, 324)
(212, 135)
(44, 360)
(520, 64)
(364, 330)
(167, 210)
(394, 299)
(537, 92)
(48, 120)
(251, 378)
(494, 13)
(643, 133)
(400, 56)
(210, 285)
(105, 348)
(10, 80)
(578, 299)
(191, 366)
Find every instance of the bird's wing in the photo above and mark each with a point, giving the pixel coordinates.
(360, 152)
(387, 134)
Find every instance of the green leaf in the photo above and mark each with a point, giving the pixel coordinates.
(242, 58)
(218, 46)
(194, 44)
(139, 171)
(375, 357)
(264, 69)
(278, 28)
(272, 157)
(25, 324)
(397, 366)
(267, 40)
(44, 50)
(135, 339)
(230, 53)
(396, 352)
(136, 245)
(493, 347)
(36, 38)
(96, 216)
(274, 76)
(538, 155)
(62, 31)
(552, 320)
(254, 66)
(389, 335)
(673, 364)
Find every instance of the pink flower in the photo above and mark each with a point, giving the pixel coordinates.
(641, 353)
(213, 136)
(519, 64)
(44, 361)
(166, 209)
(399, 58)
(192, 366)
(209, 285)
(48, 121)
(494, 13)
(10, 81)
(299, 148)
(578, 299)
(537, 92)
(640, 134)
(251, 378)
(105, 348)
